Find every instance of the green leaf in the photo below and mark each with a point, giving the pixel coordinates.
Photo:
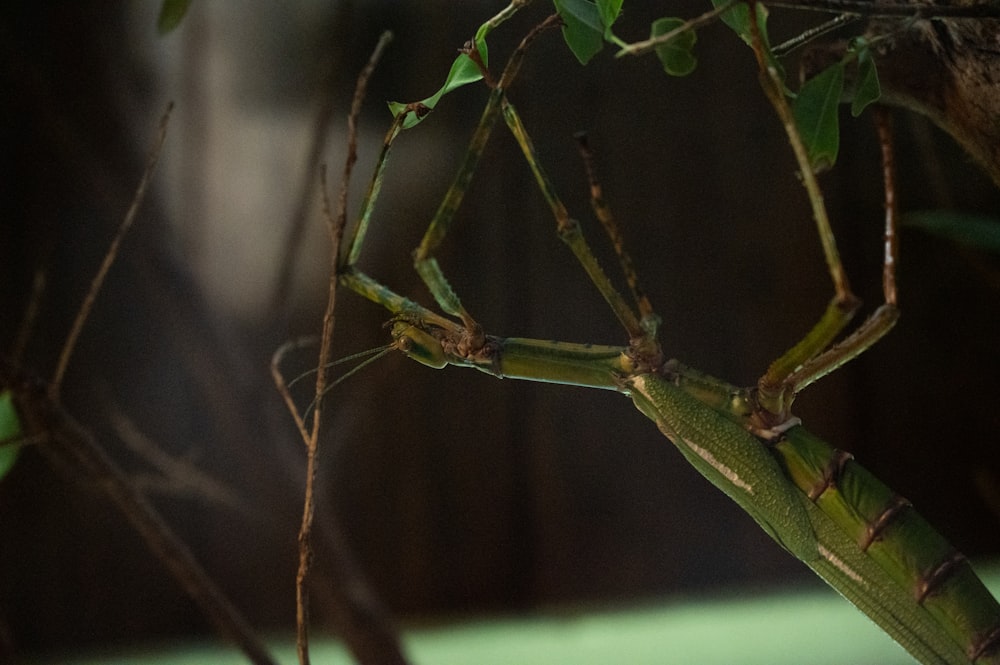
(583, 27)
(171, 13)
(868, 89)
(480, 42)
(815, 112)
(586, 24)
(738, 18)
(675, 55)
(977, 231)
(10, 431)
(464, 71)
(609, 11)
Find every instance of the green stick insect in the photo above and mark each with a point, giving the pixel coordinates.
(866, 541)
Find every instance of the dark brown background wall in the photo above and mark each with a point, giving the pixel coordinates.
(459, 493)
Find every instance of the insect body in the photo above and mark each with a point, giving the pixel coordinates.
(866, 541)
(816, 502)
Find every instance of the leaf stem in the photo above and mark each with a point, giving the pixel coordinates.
(639, 48)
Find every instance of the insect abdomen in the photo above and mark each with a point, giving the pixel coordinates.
(884, 527)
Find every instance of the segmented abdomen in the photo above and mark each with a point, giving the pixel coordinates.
(886, 529)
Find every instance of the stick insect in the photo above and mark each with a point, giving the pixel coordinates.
(858, 535)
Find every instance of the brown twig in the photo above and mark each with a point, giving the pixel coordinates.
(109, 258)
(282, 385)
(638, 48)
(337, 232)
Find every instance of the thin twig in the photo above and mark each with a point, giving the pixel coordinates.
(806, 36)
(175, 476)
(309, 503)
(109, 258)
(638, 48)
(868, 8)
(338, 224)
(282, 385)
(506, 13)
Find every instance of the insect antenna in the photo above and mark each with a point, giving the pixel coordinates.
(370, 355)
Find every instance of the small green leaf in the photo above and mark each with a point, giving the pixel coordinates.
(480, 42)
(868, 89)
(977, 231)
(463, 71)
(10, 431)
(815, 111)
(675, 55)
(583, 27)
(609, 11)
(738, 18)
(171, 13)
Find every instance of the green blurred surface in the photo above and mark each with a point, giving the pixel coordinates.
(10, 430)
(812, 626)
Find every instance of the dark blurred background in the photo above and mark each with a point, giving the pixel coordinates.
(459, 494)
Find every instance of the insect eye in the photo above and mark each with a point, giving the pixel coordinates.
(419, 345)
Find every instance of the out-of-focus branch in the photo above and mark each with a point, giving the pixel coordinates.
(73, 449)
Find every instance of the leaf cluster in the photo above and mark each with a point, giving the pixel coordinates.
(587, 27)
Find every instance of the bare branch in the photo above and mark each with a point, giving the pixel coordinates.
(69, 445)
(337, 232)
(109, 258)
